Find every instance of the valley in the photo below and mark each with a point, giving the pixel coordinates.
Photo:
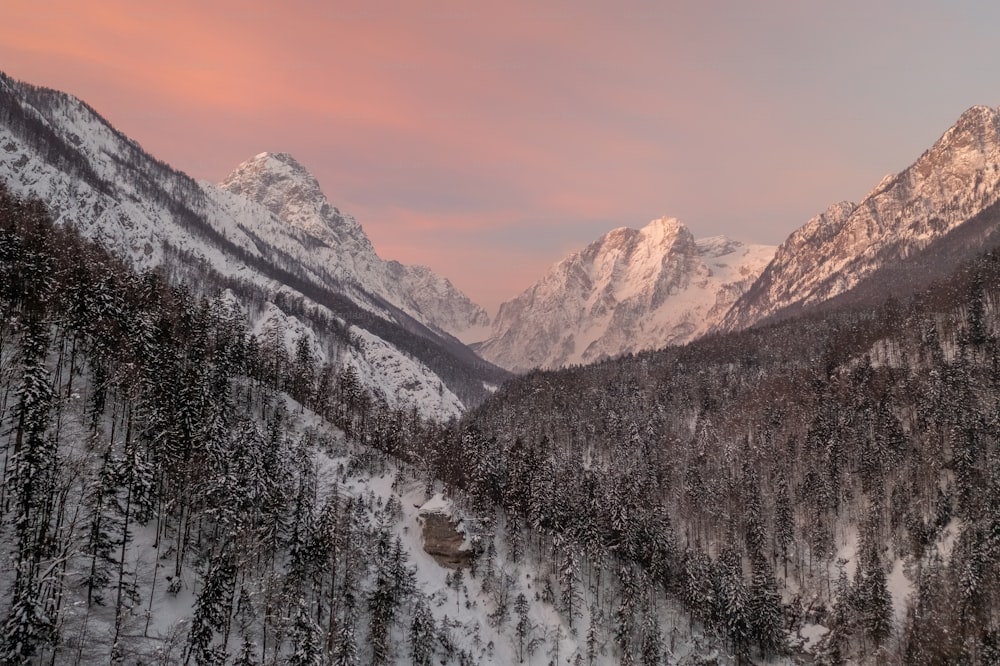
(229, 426)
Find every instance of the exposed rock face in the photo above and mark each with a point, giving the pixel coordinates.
(333, 242)
(631, 290)
(444, 541)
(949, 184)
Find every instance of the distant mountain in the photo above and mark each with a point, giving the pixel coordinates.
(319, 235)
(630, 290)
(892, 240)
(267, 234)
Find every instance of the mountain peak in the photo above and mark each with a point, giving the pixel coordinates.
(977, 115)
(291, 192)
(948, 185)
(267, 170)
(665, 230)
(975, 132)
(279, 163)
(286, 189)
(627, 291)
(664, 223)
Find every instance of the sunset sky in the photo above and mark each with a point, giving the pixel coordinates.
(487, 140)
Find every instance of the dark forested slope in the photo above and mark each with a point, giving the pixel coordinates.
(847, 458)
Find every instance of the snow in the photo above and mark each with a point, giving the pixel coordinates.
(950, 533)
(949, 184)
(141, 228)
(901, 589)
(811, 634)
(628, 291)
(289, 210)
(403, 380)
(291, 328)
(436, 504)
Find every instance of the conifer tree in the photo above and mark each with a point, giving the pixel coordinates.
(652, 648)
(211, 611)
(523, 628)
(27, 626)
(765, 613)
(422, 633)
(569, 583)
(873, 599)
(305, 639)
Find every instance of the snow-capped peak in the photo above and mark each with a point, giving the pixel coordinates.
(332, 243)
(627, 291)
(288, 190)
(953, 181)
(662, 226)
(270, 222)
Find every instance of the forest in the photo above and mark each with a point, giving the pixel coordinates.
(808, 460)
(138, 417)
(836, 470)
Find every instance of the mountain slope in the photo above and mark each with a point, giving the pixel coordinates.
(858, 443)
(906, 214)
(334, 242)
(628, 291)
(57, 148)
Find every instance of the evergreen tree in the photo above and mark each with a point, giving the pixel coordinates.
(733, 600)
(765, 612)
(302, 374)
(523, 628)
(624, 619)
(27, 625)
(305, 639)
(569, 583)
(592, 636)
(422, 634)
(698, 592)
(246, 657)
(784, 520)
(211, 611)
(652, 642)
(873, 598)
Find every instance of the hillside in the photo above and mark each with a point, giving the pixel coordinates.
(91, 176)
(177, 491)
(846, 456)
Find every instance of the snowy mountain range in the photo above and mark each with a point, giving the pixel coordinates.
(268, 224)
(628, 291)
(905, 215)
(267, 227)
(318, 235)
(178, 490)
(635, 290)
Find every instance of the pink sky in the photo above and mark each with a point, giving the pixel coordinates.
(487, 140)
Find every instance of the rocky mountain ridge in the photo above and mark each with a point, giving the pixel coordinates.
(633, 290)
(952, 182)
(630, 290)
(335, 242)
(60, 150)
(269, 222)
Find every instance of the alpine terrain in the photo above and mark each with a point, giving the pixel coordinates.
(628, 291)
(231, 434)
(952, 183)
(316, 234)
(267, 234)
(634, 290)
